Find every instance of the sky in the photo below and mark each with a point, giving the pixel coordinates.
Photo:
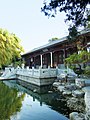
(25, 19)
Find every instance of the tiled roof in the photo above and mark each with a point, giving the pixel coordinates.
(56, 42)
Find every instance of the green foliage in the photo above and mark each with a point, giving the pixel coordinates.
(10, 47)
(75, 10)
(10, 101)
(73, 33)
(73, 59)
(18, 63)
(88, 25)
(87, 71)
(88, 19)
(53, 39)
(83, 57)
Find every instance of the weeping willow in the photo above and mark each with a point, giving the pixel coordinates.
(10, 47)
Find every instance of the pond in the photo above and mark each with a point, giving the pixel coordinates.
(18, 103)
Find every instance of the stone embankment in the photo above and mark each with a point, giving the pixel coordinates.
(77, 95)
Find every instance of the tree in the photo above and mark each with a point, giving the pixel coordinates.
(53, 39)
(10, 47)
(76, 59)
(75, 10)
(73, 33)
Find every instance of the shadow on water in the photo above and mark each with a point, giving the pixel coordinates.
(13, 95)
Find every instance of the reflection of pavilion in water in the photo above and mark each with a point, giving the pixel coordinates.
(35, 88)
(54, 100)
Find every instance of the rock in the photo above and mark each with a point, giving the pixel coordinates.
(70, 87)
(78, 93)
(82, 82)
(34, 90)
(87, 98)
(70, 79)
(56, 84)
(73, 115)
(86, 89)
(61, 75)
(76, 104)
(87, 116)
(76, 116)
(67, 92)
(87, 82)
(61, 88)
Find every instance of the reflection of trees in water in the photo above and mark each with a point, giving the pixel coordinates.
(60, 106)
(56, 102)
(10, 101)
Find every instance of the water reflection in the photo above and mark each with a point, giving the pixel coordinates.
(23, 104)
(10, 101)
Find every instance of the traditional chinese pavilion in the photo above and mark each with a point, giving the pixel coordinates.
(54, 53)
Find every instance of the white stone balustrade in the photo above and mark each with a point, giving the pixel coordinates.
(37, 73)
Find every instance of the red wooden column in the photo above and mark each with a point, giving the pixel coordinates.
(65, 53)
